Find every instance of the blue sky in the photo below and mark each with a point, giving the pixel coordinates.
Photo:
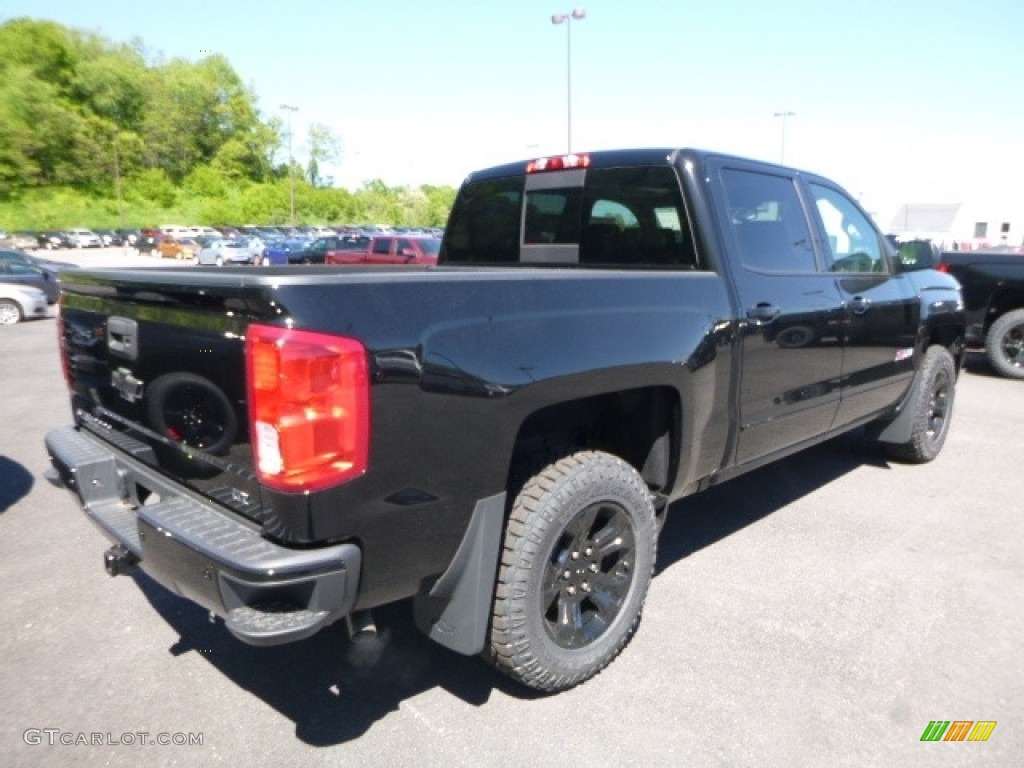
(898, 100)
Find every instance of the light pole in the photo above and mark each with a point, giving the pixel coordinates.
(291, 160)
(117, 184)
(577, 14)
(782, 152)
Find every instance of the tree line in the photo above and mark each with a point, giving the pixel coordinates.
(101, 134)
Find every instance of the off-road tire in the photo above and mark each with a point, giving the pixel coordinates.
(1004, 344)
(578, 557)
(931, 404)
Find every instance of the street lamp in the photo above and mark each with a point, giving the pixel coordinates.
(577, 14)
(117, 184)
(291, 160)
(782, 152)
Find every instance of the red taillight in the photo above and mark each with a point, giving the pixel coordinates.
(942, 266)
(309, 407)
(560, 163)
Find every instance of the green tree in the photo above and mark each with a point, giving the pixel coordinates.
(324, 147)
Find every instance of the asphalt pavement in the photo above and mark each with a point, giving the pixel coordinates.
(822, 611)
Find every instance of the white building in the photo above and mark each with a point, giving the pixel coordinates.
(960, 226)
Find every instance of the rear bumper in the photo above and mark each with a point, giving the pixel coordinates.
(267, 594)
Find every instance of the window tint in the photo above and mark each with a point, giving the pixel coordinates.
(382, 245)
(853, 242)
(484, 225)
(628, 216)
(635, 217)
(768, 222)
(552, 216)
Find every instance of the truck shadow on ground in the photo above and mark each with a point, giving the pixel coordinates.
(15, 483)
(698, 521)
(977, 364)
(334, 689)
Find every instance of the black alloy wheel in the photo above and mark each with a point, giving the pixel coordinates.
(578, 558)
(192, 410)
(1004, 345)
(931, 408)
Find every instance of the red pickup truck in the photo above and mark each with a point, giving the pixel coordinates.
(390, 249)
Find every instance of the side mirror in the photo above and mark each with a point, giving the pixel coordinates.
(915, 255)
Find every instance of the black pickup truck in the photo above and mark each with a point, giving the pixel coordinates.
(993, 287)
(497, 437)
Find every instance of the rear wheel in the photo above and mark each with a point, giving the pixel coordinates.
(931, 406)
(1004, 344)
(10, 312)
(578, 559)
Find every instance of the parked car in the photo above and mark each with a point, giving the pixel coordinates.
(496, 441)
(37, 261)
(148, 239)
(129, 236)
(20, 302)
(225, 251)
(24, 272)
(23, 241)
(390, 249)
(993, 284)
(84, 238)
(177, 247)
(54, 238)
(109, 238)
(317, 251)
(285, 250)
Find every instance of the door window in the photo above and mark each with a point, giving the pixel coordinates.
(768, 222)
(853, 243)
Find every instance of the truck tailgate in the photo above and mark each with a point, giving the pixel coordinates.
(156, 368)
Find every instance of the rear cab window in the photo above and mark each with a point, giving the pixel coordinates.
(630, 216)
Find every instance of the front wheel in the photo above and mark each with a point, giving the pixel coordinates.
(931, 408)
(1004, 344)
(578, 558)
(10, 312)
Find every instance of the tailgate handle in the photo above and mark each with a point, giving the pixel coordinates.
(123, 337)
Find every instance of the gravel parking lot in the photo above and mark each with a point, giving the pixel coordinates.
(819, 612)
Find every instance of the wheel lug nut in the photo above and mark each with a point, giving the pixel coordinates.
(566, 574)
(575, 555)
(571, 589)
